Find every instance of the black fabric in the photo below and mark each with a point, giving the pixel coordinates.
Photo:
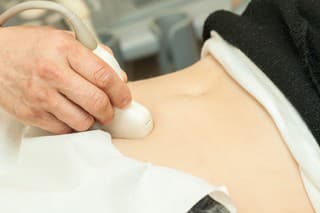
(208, 205)
(283, 38)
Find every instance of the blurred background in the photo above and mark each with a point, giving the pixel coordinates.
(148, 37)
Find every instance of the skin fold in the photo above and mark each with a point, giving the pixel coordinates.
(208, 126)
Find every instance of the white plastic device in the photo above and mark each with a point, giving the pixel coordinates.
(135, 121)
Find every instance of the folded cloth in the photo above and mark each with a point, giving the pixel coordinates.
(283, 39)
(84, 172)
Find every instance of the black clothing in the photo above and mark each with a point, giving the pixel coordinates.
(282, 37)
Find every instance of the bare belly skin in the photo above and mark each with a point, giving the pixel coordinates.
(208, 126)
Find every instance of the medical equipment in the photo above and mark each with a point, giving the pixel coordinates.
(133, 122)
(178, 42)
(127, 17)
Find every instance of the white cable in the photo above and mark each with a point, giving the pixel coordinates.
(81, 31)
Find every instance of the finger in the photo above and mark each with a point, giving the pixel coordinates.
(69, 113)
(124, 76)
(51, 124)
(45, 121)
(89, 97)
(108, 49)
(38, 118)
(92, 68)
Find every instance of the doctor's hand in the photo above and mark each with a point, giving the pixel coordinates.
(49, 80)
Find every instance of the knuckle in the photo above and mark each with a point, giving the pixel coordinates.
(100, 102)
(103, 77)
(47, 70)
(60, 40)
(84, 123)
(38, 96)
(43, 96)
